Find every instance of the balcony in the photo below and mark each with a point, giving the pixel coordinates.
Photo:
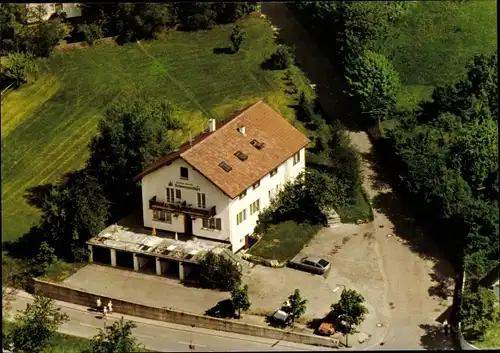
(182, 207)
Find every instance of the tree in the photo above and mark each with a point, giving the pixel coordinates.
(19, 66)
(237, 37)
(374, 82)
(194, 16)
(228, 12)
(34, 327)
(116, 338)
(282, 58)
(11, 18)
(350, 308)
(478, 311)
(130, 137)
(217, 271)
(72, 213)
(296, 306)
(91, 32)
(142, 20)
(239, 298)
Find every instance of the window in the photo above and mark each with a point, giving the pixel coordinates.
(162, 216)
(184, 173)
(272, 194)
(241, 156)
(255, 207)
(296, 158)
(258, 145)
(243, 194)
(178, 194)
(225, 166)
(212, 223)
(274, 171)
(256, 185)
(170, 195)
(201, 201)
(240, 217)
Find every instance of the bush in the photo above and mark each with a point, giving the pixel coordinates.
(282, 58)
(219, 272)
(478, 311)
(91, 32)
(19, 66)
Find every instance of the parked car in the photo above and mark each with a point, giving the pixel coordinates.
(312, 264)
(281, 317)
(326, 329)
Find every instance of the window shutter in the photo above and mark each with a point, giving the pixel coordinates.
(218, 225)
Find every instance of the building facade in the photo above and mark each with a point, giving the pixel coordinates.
(71, 9)
(215, 186)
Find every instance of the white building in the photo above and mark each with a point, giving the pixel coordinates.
(215, 185)
(71, 10)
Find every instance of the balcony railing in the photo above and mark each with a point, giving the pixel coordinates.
(182, 207)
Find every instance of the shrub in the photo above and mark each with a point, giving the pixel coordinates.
(282, 58)
(20, 67)
(237, 37)
(219, 272)
(91, 32)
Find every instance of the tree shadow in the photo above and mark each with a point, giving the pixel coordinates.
(223, 309)
(326, 75)
(267, 65)
(379, 180)
(434, 338)
(225, 50)
(25, 247)
(35, 195)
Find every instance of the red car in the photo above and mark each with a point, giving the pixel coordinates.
(326, 329)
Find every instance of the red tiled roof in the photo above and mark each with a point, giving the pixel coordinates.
(209, 149)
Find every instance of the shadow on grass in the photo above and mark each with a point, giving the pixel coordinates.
(225, 50)
(434, 338)
(223, 309)
(327, 76)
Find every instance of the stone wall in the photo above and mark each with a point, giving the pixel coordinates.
(61, 292)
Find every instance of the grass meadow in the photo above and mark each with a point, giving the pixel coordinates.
(432, 44)
(46, 126)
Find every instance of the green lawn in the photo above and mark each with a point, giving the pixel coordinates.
(46, 126)
(283, 241)
(433, 43)
(491, 339)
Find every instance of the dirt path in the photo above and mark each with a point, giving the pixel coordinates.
(416, 284)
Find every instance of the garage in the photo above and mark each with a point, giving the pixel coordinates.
(146, 264)
(125, 259)
(169, 268)
(101, 256)
(191, 271)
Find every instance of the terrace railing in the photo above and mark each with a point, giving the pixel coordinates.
(182, 207)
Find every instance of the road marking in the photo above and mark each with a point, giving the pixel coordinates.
(88, 325)
(145, 336)
(192, 344)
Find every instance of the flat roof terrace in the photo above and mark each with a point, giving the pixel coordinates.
(122, 238)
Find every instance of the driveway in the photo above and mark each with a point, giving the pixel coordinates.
(401, 274)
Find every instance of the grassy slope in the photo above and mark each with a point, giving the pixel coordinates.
(435, 41)
(46, 126)
(491, 339)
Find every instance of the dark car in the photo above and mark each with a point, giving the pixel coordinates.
(312, 264)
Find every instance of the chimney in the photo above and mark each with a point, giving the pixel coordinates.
(241, 129)
(211, 125)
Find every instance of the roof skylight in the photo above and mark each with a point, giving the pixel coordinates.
(258, 145)
(225, 166)
(241, 156)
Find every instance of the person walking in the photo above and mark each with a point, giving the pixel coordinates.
(105, 313)
(98, 303)
(110, 307)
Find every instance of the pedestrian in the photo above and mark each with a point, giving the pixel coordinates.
(110, 307)
(446, 329)
(105, 313)
(98, 302)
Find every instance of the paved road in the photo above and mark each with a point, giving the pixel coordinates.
(161, 336)
(408, 265)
